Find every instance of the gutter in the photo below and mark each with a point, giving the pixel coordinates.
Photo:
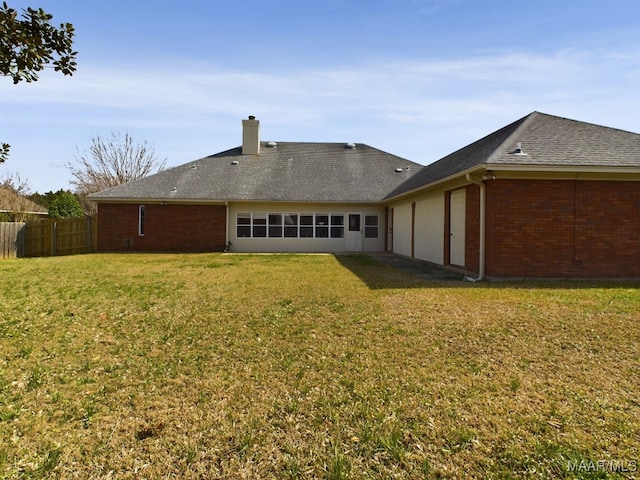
(551, 169)
(435, 183)
(226, 227)
(483, 196)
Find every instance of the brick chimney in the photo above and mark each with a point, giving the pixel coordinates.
(251, 136)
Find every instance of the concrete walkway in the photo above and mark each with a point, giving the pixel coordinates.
(424, 270)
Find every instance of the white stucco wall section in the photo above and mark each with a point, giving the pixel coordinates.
(429, 229)
(307, 245)
(402, 229)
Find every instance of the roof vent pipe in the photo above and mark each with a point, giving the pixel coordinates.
(518, 150)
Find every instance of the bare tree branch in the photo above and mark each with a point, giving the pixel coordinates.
(15, 183)
(13, 201)
(111, 162)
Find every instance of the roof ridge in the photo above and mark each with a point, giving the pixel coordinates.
(482, 141)
(524, 122)
(573, 120)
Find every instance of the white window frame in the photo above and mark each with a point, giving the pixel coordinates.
(141, 212)
(368, 227)
(265, 217)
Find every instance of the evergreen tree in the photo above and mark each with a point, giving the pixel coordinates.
(65, 205)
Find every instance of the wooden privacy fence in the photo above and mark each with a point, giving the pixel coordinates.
(12, 239)
(48, 237)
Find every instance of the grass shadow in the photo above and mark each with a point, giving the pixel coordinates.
(394, 272)
(390, 271)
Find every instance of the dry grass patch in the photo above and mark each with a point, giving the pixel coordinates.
(232, 366)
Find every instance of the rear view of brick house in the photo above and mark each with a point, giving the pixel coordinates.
(544, 196)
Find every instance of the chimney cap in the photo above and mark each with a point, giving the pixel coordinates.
(252, 117)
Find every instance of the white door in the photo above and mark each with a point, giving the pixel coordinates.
(354, 232)
(457, 225)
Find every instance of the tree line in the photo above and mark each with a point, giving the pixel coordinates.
(17, 203)
(107, 163)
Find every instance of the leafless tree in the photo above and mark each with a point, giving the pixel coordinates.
(14, 205)
(15, 183)
(111, 162)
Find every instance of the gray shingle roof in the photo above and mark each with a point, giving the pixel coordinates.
(330, 172)
(305, 172)
(13, 202)
(546, 140)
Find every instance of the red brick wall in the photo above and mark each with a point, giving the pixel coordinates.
(562, 228)
(472, 229)
(168, 228)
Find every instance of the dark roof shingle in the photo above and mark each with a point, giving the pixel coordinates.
(546, 141)
(332, 172)
(289, 171)
(11, 201)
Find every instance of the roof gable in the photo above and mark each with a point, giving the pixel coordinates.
(550, 140)
(546, 141)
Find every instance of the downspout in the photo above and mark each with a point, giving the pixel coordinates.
(226, 227)
(482, 230)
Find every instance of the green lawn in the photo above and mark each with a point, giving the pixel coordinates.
(294, 366)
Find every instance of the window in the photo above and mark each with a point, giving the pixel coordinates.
(354, 222)
(141, 220)
(289, 225)
(306, 225)
(337, 226)
(259, 225)
(371, 226)
(275, 225)
(322, 225)
(244, 224)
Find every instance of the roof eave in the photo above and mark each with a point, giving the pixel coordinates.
(30, 212)
(564, 168)
(576, 169)
(191, 201)
(475, 169)
(151, 200)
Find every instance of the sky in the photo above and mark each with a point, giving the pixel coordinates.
(416, 78)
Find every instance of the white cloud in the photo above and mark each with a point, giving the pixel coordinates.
(395, 89)
(415, 108)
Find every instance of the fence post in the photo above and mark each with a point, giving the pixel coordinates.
(21, 241)
(88, 227)
(54, 238)
(66, 236)
(12, 239)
